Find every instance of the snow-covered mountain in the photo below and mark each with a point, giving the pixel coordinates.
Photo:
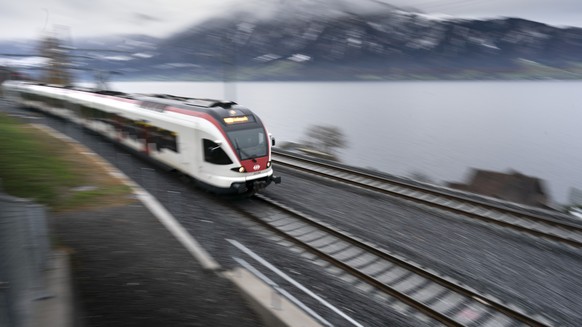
(334, 39)
(390, 44)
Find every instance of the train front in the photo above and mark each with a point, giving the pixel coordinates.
(251, 143)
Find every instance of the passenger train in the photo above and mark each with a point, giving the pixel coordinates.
(224, 147)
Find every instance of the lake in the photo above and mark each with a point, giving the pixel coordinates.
(438, 129)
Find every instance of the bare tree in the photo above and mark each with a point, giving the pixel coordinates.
(325, 138)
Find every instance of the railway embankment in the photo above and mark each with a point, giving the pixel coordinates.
(37, 166)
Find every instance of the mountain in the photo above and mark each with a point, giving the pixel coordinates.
(305, 40)
(389, 45)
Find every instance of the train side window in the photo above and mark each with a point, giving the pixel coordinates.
(132, 130)
(27, 96)
(138, 129)
(214, 154)
(84, 110)
(168, 140)
(126, 127)
(155, 138)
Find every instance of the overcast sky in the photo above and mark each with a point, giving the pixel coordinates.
(30, 18)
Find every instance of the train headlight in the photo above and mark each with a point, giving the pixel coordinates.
(241, 169)
(268, 164)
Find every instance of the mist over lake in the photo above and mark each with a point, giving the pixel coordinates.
(437, 129)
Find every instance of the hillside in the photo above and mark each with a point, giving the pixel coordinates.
(304, 41)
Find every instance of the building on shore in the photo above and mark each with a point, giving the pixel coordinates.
(512, 186)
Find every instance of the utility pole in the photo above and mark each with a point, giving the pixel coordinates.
(229, 65)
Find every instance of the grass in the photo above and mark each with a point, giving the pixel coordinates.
(36, 166)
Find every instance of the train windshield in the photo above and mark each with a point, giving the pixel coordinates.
(249, 143)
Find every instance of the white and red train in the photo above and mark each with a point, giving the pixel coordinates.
(223, 146)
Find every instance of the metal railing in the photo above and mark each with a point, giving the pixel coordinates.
(24, 250)
(322, 311)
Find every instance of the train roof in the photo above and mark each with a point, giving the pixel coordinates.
(220, 110)
(226, 112)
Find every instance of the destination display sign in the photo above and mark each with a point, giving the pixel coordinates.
(237, 120)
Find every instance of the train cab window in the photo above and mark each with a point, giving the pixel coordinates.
(249, 143)
(214, 154)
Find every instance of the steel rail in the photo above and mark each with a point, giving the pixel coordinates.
(385, 288)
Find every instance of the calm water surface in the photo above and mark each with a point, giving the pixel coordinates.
(438, 129)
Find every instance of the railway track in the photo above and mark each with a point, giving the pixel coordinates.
(425, 291)
(521, 220)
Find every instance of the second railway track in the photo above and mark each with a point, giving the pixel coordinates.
(429, 293)
(524, 221)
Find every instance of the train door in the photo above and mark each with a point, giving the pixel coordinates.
(188, 155)
(214, 162)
